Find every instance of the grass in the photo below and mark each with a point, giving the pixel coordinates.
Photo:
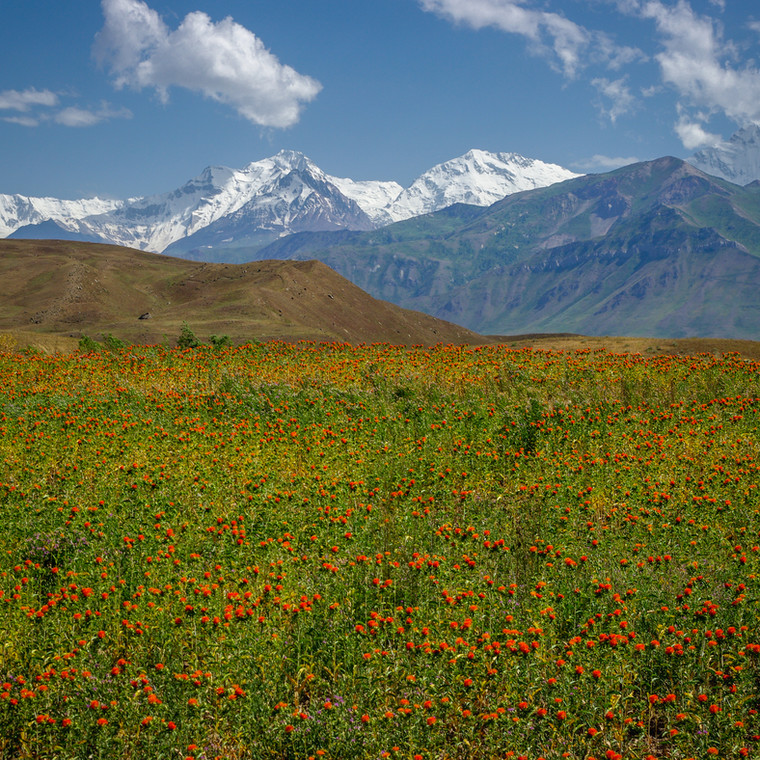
(326, 550)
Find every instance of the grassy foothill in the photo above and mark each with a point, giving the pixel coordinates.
(321, 550)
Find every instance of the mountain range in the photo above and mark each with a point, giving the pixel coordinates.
(657, 248)
(495, 242)
(226, 209)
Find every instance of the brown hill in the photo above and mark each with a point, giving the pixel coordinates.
(68, 288)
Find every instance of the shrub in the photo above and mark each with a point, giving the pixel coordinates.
(220, 342)
(187, 338)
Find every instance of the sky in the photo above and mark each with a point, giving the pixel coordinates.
(125, 98)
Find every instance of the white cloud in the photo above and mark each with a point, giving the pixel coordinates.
(618, 92)
(567, 39)
(693, 135)
(29, 103)
(604, 163)
(224, 61)
(74, 116)
(13, 100)
(24, 121)
(550, 34)
(699, 63)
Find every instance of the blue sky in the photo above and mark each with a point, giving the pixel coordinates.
(124, 97)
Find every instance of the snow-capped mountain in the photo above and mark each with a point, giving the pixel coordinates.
(479, 178)
(374, 197)
(737, 160)
(274, 197)
(19, 210)
(300, 198)
(277, 193)
(306, 199)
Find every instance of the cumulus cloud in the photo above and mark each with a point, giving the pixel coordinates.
(13, 100)
(693, 135)
(549, 34)
(224, 61)
(618, 92)
(700, 64)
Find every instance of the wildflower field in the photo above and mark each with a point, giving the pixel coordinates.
(336, 551)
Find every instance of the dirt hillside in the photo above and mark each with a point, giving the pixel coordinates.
(69, 289)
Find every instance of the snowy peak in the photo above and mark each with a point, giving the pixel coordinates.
(737, 160)
(479, 178)
(292, 160)
(156, 222)
(19, 210)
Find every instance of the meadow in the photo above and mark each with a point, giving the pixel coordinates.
(334, 551)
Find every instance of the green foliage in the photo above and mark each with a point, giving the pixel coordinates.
(87, 345)
(187, 338)
(112, 343)
(220, 342)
